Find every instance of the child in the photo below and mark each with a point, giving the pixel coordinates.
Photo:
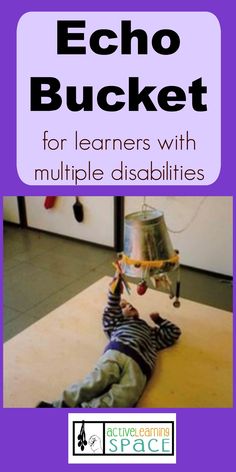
(126, 365)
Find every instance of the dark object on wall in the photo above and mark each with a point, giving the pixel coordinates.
(78, 210)
(49, 202)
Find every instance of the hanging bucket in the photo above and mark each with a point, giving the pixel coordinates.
(147, 245)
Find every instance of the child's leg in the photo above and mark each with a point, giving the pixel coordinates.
(106, 372)
(126, 391)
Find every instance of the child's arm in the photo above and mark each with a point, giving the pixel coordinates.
(112, 313)
(167, 334)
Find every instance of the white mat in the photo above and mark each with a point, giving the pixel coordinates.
(64, 345)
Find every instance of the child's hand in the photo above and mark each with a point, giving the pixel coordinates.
(154, 317)
(116, 285)
(120, 287)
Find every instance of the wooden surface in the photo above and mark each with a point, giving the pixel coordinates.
(64, 345)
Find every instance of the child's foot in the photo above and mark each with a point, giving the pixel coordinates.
(44, 405)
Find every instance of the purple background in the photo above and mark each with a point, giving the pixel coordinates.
(37, 439)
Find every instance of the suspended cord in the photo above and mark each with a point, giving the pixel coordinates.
(145, 206)
(190, 221)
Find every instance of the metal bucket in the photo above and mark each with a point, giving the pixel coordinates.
(146, 239)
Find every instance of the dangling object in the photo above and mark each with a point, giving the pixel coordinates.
(78, 210)
(147, 245)
(119, 277)
(49, 202)
(142, 287)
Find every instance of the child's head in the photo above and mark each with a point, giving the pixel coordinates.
(128, 309)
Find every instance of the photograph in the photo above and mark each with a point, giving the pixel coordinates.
(118, 302)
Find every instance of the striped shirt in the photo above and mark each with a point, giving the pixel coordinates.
(135, 337)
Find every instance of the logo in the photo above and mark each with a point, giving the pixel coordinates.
(122, 438)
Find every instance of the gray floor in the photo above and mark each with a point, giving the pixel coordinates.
(42, 271)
